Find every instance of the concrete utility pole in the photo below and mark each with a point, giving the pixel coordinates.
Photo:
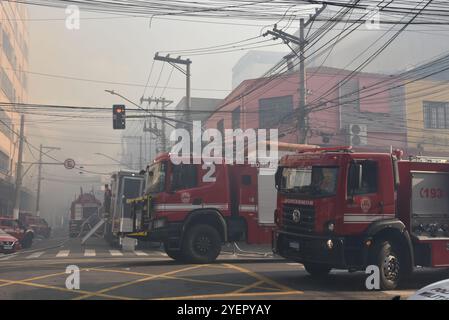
(302, 117)
(163, 132)
(301, 42)
(19, 170)
(187, 63)
(39, 175)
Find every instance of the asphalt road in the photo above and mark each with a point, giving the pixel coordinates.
(106, 273)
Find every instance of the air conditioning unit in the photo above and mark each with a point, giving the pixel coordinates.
(358, 135)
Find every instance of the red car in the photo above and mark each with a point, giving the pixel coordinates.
(16, 229)
(8, 243)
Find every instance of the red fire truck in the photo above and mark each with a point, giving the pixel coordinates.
(81, 209)
(347, 210)
(194, 208)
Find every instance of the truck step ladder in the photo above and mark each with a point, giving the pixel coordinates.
(93, 230)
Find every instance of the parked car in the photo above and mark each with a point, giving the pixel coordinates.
(8, 243)
(18, 230)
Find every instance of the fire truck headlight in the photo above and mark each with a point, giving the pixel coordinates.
(330, 226)
(329, 244)
(158, 223)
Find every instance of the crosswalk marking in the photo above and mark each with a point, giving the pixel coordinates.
(6, 257)
(115, 253)
(89, 253)
(140, 253)
(63, 253)
(35, 255)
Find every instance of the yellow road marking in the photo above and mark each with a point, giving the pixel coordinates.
(232, 295)
(259, 277)
(10, 282)
(183, 279)
(38, 285)
(251, 286)
(152, 277)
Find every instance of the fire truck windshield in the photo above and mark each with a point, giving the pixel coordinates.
(310, 181)
(156, 178)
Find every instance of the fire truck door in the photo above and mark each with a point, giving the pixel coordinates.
(363, 205)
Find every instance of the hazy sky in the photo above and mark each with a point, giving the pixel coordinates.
(118, 49)
(114, 49)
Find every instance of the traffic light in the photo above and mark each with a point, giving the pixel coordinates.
(118, 117)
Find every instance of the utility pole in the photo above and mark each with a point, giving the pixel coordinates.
(19, 170)
(302, 121)
(39, 175)
(163, 132)
(301, 42)
(187, 62)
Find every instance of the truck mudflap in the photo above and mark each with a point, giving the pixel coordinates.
(334, 251)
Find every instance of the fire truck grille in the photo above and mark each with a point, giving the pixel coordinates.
(306, 223)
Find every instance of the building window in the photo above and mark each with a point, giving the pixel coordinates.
(7, 86)
(236, 118)
(272, 111)
(5, 124)
(4, 162)
(349, 94)
(435, 115)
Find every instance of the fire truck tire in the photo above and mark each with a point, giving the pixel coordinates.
(317, 270)
(389, 262)
(202, 244)
(176, 255)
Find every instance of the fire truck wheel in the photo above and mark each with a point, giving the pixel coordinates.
(202, 244)
(389, 263)
(317, 270)
(174, 254)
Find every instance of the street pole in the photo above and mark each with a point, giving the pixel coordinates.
(163, 128)
(302, 121)
(39, 178)
(187, 62)
(19, 170)
(188, 91)
(162, 132)
(301, 42)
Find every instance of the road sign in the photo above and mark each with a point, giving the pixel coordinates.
(69, 163)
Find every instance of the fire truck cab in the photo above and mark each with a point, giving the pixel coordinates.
(194, 208)
(347, 210)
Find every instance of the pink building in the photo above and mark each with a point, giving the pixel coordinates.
(366, 112)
